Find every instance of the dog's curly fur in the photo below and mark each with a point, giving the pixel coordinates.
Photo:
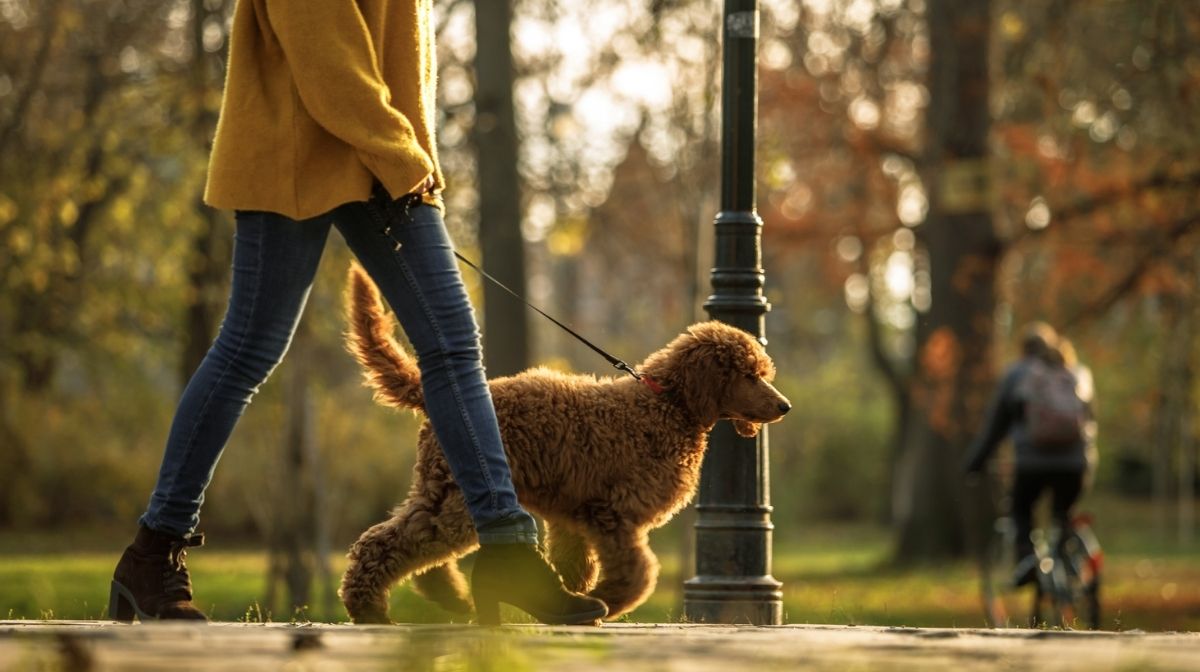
(602, 461)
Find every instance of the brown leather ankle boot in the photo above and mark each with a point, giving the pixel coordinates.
(151, 580)
(518, 575)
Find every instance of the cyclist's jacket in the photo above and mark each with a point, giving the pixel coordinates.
(1006, 417)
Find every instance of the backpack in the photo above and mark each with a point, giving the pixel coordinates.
(1054, 413)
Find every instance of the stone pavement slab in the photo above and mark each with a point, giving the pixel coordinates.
(103, 645)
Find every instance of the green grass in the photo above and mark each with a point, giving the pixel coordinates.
(231, 585)
(832, 575)
(838, 580)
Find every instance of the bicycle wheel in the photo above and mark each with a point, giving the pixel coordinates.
(1056, 589)
(1000, 601)
(1083, 561)
(1044, 610)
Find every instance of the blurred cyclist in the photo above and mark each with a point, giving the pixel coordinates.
(1037, 404)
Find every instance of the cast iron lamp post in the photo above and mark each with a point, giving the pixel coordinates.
(733, 582)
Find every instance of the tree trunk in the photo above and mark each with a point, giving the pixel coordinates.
(506, 333)
(296, 537)
(1187, 422)
(207, 269)
(954, 373)
(899, 383)
(1167, 412)
(897, 442)
(16, 488)
(1187, 481)
(208, 262)
(1173, 474)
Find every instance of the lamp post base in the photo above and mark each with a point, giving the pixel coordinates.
(756, 600)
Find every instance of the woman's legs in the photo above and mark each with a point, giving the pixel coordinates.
(422, 284)
(1066, 488)
(1027, 488)
(420, 280)
(274, 261)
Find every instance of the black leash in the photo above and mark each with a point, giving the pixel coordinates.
(381, 196)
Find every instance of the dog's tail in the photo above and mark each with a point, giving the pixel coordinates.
(387, 368)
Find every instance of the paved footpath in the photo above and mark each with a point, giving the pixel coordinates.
(103, 645)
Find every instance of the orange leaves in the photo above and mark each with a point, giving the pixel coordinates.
(972, 270)
(937, 389)
(941, 357)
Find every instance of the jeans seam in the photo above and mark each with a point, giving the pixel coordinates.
(452, 377)
(190, 443)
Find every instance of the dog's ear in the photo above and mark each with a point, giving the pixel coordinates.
(746, 428)
(699, 366)
(690, 367)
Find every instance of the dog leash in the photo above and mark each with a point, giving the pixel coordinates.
(381, 196)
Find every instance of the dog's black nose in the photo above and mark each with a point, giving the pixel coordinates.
(784, 407)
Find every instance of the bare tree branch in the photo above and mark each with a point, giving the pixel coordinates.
(1129, 281)
(897, 381)
(1161, 179)
(38, 68)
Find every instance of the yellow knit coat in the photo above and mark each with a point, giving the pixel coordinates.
(322, 97)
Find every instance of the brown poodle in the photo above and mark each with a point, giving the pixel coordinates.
(602, 461)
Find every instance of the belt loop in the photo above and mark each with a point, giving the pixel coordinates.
(379, 193)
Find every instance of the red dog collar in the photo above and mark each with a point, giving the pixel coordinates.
(651, 383)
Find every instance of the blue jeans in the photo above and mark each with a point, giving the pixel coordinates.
(274, 262)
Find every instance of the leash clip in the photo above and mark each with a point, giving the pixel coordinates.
(640, 377)
(622, 366)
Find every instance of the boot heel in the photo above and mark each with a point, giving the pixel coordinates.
(120, 604)
(487, 609)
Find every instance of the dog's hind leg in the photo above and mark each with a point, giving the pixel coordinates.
(629, 571)
(429, 528)
(571, 555)
(445, 585)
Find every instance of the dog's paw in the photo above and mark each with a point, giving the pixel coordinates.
(371, 619)
(369, 614)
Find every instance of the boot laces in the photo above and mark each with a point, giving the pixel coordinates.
(175, 577)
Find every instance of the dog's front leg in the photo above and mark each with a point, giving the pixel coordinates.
(445, 585)
(630, 571)
(429, 529)
(571, 555)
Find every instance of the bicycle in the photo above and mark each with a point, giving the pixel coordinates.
(1066, 582)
